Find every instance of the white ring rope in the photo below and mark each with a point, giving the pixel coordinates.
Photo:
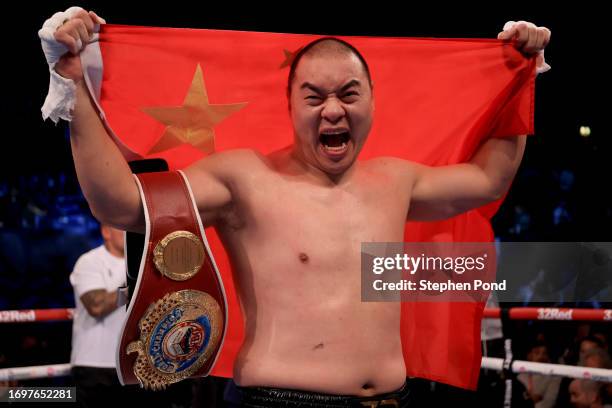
(490, 363)
(518, 366)
(28, 373)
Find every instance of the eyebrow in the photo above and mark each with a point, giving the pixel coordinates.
(349, 84)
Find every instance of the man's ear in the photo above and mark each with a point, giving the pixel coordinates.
(373, 98)
(104, 232)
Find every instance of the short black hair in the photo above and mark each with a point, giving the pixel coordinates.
(593, 339)
(339, 44)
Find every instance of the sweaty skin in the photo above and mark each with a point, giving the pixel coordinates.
(306, 327)
(293, 221)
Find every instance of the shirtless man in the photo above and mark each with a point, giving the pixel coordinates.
(293, 221)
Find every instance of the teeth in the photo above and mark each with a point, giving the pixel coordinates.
(336, 148)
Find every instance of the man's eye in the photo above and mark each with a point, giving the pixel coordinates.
(312, 97)
(350, 96)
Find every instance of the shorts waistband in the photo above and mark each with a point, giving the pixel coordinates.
(256, 397)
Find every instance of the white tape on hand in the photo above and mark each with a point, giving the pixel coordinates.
(61, 97)
(52, 49)
(541, 65)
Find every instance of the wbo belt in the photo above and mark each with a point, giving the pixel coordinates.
(259, 397)
(177, 315)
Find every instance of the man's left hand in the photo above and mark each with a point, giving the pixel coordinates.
(530, 39)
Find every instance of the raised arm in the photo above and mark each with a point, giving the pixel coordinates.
(103, 173)
(443, 192)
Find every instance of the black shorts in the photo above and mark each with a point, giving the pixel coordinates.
(267, 397)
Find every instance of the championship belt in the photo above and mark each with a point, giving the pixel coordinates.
(177, 314)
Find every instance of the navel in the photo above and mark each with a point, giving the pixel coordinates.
(367, 386)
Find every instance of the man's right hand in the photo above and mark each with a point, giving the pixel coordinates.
(104, 176)
(75, 33)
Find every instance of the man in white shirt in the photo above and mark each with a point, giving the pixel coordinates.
(542, 389)
(97, 319)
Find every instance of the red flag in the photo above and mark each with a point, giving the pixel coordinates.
(436, 100)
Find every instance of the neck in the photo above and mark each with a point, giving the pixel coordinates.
(302, 165)
(113, 251)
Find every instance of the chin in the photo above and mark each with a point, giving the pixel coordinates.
(336, 169)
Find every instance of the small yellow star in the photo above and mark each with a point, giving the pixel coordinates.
(194, 121)
(289, 57)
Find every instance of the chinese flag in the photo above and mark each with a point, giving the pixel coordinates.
(180, 94)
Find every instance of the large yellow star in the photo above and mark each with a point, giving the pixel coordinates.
(194, 121)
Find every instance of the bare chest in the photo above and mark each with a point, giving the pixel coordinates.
(286, 209)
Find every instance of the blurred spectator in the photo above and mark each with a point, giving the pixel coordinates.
(596, 358)
(599, 358)
(586, 394)
(588, 345)
(541, 389)
(98, 320)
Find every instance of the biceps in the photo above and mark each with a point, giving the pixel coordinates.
(210, 193)
(450, 182)
(442, 192)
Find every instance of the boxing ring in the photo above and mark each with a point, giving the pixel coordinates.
(489, 363)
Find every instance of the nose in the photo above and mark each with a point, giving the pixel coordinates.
(333, 110)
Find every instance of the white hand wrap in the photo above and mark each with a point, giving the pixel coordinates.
(541, 65)
(62, 92)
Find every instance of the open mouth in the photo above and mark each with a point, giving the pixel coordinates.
(334, 143)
